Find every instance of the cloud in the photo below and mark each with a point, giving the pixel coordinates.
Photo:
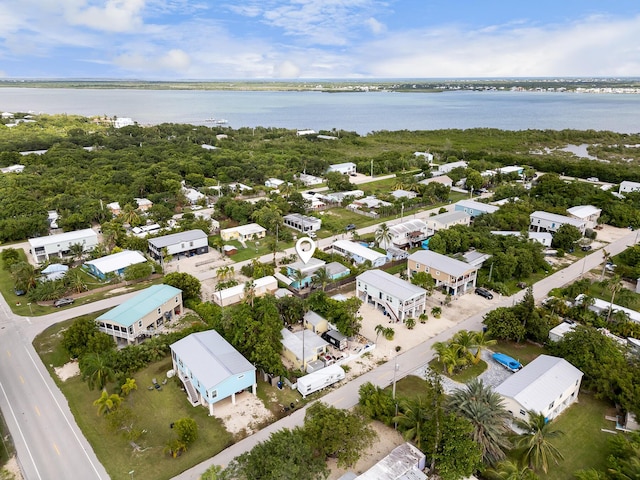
(175, 61)
(114, 16)
(286, 69)
(375, 26)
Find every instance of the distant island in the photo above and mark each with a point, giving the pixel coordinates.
(578, 85)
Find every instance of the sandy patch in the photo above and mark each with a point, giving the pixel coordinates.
(12, 467)
(68, 370)
(387, 440)
(247, 415)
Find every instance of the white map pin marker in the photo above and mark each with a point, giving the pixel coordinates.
(305, 254)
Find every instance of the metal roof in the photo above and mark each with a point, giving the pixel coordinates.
(408, 227)
(172, 239)
(359, 250)
(442, 263)
(117, 261)
(304, 340)
(449, 217)
(148, 300)
(62, 237)
(483, 207)
(583, 211)
(394, 286)
(554, 217)
(210, 358)
(313, 318)
(401, 464)
(540, 383)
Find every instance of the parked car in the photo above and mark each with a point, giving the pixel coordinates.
(483, 292)
(61, 302)
(311, 234)
(586, 248)
(350, 227)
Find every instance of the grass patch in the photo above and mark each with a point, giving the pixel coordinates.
(524, 352)
(463, 376)
(583, 444)
(410, 387)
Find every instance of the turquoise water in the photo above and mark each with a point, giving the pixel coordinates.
(359, 112)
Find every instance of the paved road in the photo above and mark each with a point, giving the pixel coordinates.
(50, 444)
(411, 360)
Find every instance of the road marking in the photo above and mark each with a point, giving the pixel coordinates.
(20, 430)
(21, 379)
(56, 447)
(95, 469)
(9, 353)
(37, 411)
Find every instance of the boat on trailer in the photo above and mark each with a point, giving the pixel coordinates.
(507, 362)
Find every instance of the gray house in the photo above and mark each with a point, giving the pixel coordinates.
(191, 242)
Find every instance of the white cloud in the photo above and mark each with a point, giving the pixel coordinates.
(174, 61)
(286, 69)
(114, 16)
(375, 26)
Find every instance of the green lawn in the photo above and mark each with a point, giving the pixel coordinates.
(463, 376)
(583, 444)
(524, 352)
(410, 386)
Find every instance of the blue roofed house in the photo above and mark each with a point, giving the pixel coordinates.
(211, 369)
(140, 316)
(114, 264)
(474, 208)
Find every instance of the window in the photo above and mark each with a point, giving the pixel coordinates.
(214, 394)
(240, 376)
(159, 311)
(551, 405)
(523, 413)
(417, 265)
(140, 323)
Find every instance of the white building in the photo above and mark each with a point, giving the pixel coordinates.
(474, 208)
(115, 263)
(441, 179)
(600, 306)
(337, 197)
(12, 169)
(192, 195)
(55, 246)
(585, 213)
(545, 238)
(345, 168)
(395, 297)
(302, 223)
(547, 385)
(401, 194)
(358, 253)
(510, 169)
(409, 233)
(191, 242)
(369, 202)
(540, 221)
(242, 233)
(232, 295)
(447, 167)
(558, 332)
(274, 183)
(144, 204)
(405, 462)
(447, 220)
(628, 187)
(309, 180)
(122, 122)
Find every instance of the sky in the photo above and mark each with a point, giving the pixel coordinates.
(318, 39)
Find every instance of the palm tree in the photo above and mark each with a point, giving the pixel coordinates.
(464, 341)
(481, 340)
(410, 323)
(77, 250)
(322, 277)
(298, 278)
(606, 258)
(509, 470)
(74, 281)
(614, 285)
(447, 355)
(383, 236)
(250, 292)
(413, 417)
(97, 369)
(534, 444)
(24, 276)
(388, 333)
(379, 329)
(107, 403)
(128, 386)
(436, 312)
(485, 410)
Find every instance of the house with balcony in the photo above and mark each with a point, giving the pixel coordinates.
(190, 242)
(409, 233)
(548, 385)
(139, 317)
(358, 253)
(540, 221)
(395, 297)
(454, 276)
(447, 220)
(211, 369)
(58, 245)
(586, 213)
(305, 278)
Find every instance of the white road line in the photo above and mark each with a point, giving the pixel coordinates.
(20, 430)
(63, 413)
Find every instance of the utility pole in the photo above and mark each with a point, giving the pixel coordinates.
(372, 168)
(393, 394)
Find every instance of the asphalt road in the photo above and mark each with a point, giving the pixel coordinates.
(51, 446)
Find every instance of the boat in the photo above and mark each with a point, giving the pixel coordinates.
(507, 362)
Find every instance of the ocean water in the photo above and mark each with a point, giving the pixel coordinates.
(361, 112)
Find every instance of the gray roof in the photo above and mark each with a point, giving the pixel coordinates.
(540, 383)
(394, 286)
(335, 268)
(313, 318)
(172, 239)
(483, 207)
(294, 343)
(554, 217)
(210, 357)
(449, 217)
(441, 262)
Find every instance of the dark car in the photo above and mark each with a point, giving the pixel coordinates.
(586, 248)
(350, 227)
(61, 302)
(483, 292)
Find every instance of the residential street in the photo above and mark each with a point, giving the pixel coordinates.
(50, 444)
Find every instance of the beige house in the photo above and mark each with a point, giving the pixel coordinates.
(315, 322)
(447, 220)
(303, 344)
(443, 179)
(251, 231)
(455, 276)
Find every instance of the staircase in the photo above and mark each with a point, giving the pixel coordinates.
(194, 398)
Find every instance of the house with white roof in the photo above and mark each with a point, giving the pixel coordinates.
(346, 168)
(442, 179)
(191, 242)
(274, 183)
(261, 286)
(13, 169)
(302, 347)
(510, 169)
(456, 277)
(239, 187)
(368, 202)
(540, 221)
(447, 220)
(547, 385)
(558, 332)
(211, 369)
(474, 208)
(114, 264)
(628, 187)
(144, 204)
(139, 317)
(114, 208)
(447, 167)
(586, 213)
(302, 223)
(358, 253)
(395, 297)
(337, 197)
(405, 462)
(544, 238)
(121, 122)
(402, 194)
(314, 322)
(242, 233)
(144, 231)
(313, 202)
(602, 307)
(309, 180)
(426, 155)
(192, 195)
(59, 245)
(409, 233)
